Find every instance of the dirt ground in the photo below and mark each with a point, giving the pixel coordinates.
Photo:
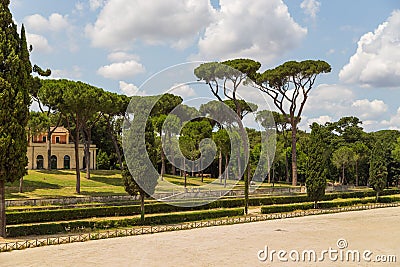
(377, 231)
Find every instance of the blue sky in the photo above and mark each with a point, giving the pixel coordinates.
(119, 44)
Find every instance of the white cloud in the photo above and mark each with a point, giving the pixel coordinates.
(37, 23)
(310, 7)
(394, 122)
(377, 60)
(121, 56)
(331, 102)
(183, 90)
(130, 89)
(175, 22)
(79, 6)
(95, 4)
(305, 122)
(73, 74)
(39, 43)
(121, 70)
(369, 109)
(331, 51)
(330, 98)
(258, 29)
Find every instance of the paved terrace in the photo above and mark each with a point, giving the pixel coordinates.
(376, 230)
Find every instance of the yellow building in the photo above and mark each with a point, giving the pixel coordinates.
(62, 152)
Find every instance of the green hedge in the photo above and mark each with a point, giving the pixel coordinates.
(22, 217)
(326, 204)
(75, 226)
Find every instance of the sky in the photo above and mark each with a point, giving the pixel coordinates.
(119, 45)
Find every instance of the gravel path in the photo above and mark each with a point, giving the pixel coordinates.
(377, 230)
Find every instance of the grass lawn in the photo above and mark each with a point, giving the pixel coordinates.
(61, 183)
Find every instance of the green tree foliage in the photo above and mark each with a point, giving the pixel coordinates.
(113, 110)
(15, 81)
(316, 173)
(141, 178)
(191, 135)
(222, 141)
(378, 170)
(79, 103)
(103, 160)
(289, 86)
(231, 72)
(343, 158)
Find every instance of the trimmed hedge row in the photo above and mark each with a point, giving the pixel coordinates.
(153, 208)
(326, 205)
(75, 226)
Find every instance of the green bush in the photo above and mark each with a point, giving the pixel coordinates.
(326, 204)
(75, 226)
(22, 217)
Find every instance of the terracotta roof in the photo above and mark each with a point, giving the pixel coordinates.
(60, 129)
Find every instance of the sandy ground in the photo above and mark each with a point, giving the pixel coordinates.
(235, 245)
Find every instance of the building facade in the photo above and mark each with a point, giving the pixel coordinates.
(62, 152)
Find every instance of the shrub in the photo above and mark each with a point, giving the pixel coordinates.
(74, 226)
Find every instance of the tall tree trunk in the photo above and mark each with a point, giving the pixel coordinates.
(78, 171)
(162, 163)
(287, 168)
(294, 155)
(115, 143)
(343, 174)
(220, 166)
(192, 168)
(239, 166)
(226, 169)
(184, 170)
(21, 183)
(201, 170)
(269, 169)
(2, 209)
(356, 173)
(88, 140)
(142, 207)
(48, 142)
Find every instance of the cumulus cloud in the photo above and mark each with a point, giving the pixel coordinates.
(121, 70)
(183, 90)
(73, 74)
(369, 109)
(39, 43)
(310, 7)
(122, 56)
(175, 22)
(244, 29)
(95, 4)
(130, 89)
(377, 60)
(37, 23)
(394, 122)
(306, 122)
(331, 102)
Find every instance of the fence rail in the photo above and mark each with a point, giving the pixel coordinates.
(19, 245)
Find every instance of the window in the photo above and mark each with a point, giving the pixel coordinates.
(39, 162)
(57, 139)
(44, 139)
(67, 160)
(53, 162)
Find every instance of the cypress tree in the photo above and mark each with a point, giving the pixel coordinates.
(378, 169)
(317, 164)
(15, 80)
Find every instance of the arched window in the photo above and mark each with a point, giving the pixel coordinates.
(53, 162)
(39, 162)
(67, 161)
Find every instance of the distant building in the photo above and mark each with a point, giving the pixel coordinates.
(62, 152)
